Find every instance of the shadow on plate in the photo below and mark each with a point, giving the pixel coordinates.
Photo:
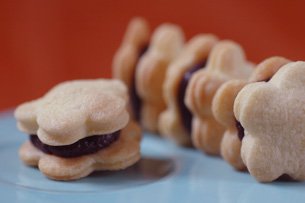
(147, 170)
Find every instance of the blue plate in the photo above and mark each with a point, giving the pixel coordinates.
(166, 173)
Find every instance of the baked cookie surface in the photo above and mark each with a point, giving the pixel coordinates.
(141, 63)
(226, 61)
(222, 106)
(175, 121)
(126, 58)
(66, 118)
(271, 114)
(166, 43)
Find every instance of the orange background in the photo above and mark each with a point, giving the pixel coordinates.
(43, 42)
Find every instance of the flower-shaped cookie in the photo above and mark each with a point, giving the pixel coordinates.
(79, 127)
(226, 61)
(175, 121)
(272, 115)
(222, 106)
(166, 43)
(125, 60)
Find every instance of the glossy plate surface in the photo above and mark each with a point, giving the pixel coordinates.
(166, 173)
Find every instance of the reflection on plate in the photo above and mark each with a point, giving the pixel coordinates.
(166, 173)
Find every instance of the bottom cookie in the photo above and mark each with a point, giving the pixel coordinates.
(120, 155)
(207, 135)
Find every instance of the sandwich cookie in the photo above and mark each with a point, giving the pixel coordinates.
(175, 123)
(125, 60)
(226, 61)
(166, 43)
(141, 63)
(272, 114)
(79, 127)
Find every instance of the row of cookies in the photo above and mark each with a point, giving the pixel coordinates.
(172, 83)
(186, 91)
(252, 117)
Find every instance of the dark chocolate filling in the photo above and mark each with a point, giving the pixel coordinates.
(82, 147)
(266, 80)
(186, 115)
(240, 130)
(239, 127)
(134, 97)
(285, 178)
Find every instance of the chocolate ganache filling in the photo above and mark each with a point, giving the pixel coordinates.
(186, 115)
(240, 130)
(82, 147)
(239, 127)
(134, 97)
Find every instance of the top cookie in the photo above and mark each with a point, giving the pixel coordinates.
(74, 110)
(226, 94)
(166, 42)
(272, 114)
(226, 61)
(126, 58)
